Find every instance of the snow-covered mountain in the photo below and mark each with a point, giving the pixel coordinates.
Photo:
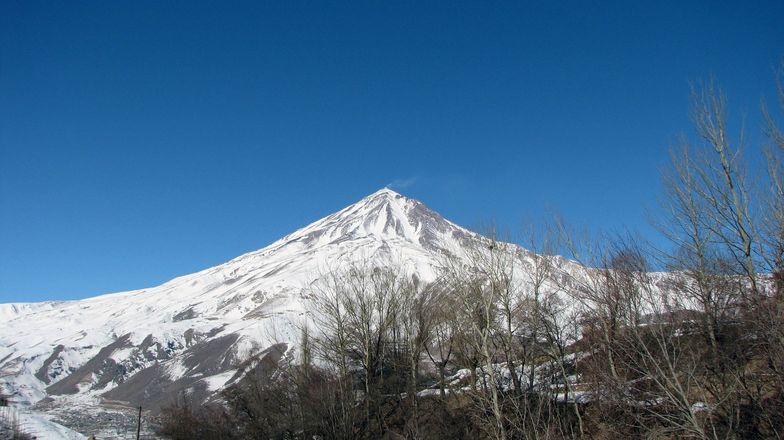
(204, 331)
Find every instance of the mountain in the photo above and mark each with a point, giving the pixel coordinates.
(204, 331)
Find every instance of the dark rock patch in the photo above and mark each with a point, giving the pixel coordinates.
(146, 388)
(110, 371)
(215, 331)
(186, 314)
(6, 358)
(152, 350)
(43, 373)
(97, 365)
(153, 389)
(211, 357)
(264, 367)
(190, 336)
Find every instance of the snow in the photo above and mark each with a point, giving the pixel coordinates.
(217, 381)
(260, 296)
(40, 426)
(575, 396)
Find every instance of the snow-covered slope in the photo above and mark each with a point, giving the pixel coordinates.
(196, 332)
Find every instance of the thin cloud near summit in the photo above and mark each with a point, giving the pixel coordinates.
(402, 183)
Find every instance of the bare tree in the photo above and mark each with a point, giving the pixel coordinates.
(477, 293)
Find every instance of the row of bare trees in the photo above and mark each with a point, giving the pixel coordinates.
(618, 340)
(695, 351)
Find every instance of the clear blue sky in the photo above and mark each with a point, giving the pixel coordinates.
(144, 140)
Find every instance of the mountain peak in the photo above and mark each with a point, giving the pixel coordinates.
(383, 195)
(386, 191)
(382, 216)
(380, 198)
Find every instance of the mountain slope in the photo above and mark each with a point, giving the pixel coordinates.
(202, 331)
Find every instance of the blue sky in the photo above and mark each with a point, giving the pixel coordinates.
(144, 140)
